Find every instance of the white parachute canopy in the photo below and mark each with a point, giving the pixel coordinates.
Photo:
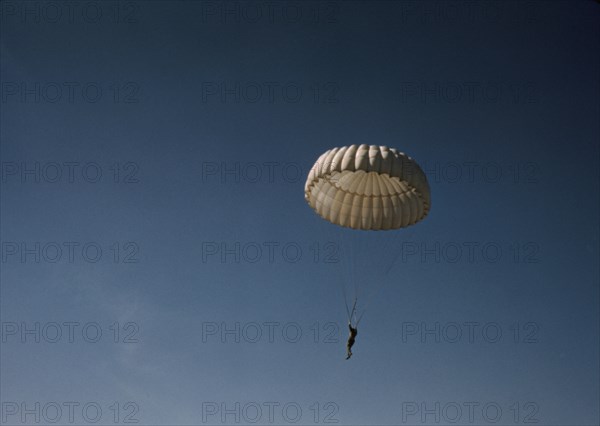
(368, 188)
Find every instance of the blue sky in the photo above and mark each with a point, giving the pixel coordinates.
(203, 120)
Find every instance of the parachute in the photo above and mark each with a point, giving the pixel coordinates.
(368, 188)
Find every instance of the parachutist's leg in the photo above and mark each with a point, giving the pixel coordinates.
(349, 345)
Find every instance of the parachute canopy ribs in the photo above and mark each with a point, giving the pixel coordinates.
(368, 187)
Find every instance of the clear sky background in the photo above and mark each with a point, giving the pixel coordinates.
(188, 101)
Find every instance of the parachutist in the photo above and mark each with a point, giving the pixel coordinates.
(353, 330)
(351, 339)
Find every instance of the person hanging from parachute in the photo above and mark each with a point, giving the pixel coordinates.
(370, 188)
(351, 339)
(353, 330)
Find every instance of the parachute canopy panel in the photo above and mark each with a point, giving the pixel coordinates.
(368, 187)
